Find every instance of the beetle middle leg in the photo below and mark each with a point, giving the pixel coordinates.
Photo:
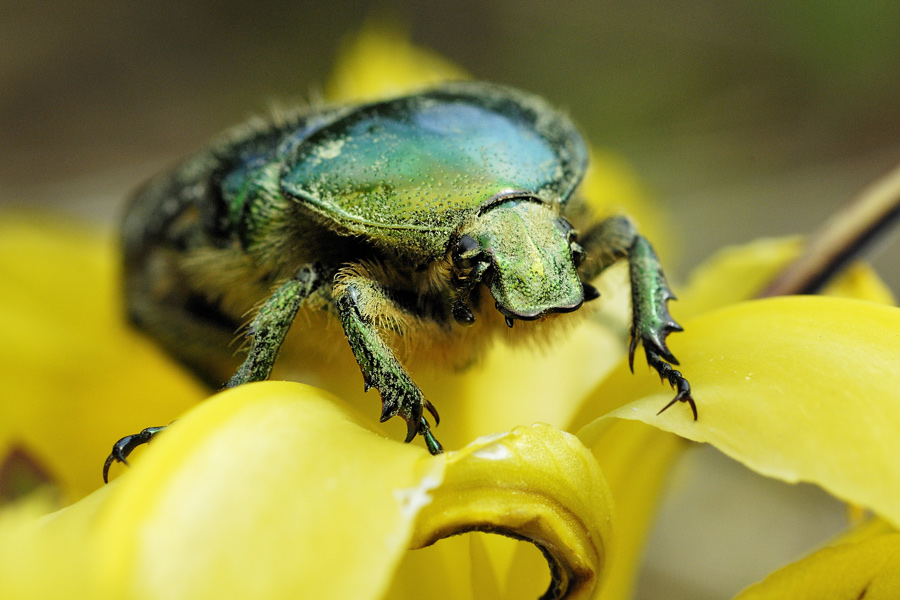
(359, 300)
(615, 239)
(267, 331)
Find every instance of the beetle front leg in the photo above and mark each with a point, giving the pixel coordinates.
(267, 330)
(611, 241)
(358, 300)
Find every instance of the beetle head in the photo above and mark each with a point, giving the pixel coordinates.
(526, 254)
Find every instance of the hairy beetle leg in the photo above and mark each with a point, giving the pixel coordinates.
(267, 332)
(269, 327)
(359, 301)
(124, 447)
(615, 239)
(651, 322)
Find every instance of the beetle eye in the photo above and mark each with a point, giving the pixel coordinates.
(466, 252)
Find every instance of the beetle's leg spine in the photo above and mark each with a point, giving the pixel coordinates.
(650, 295)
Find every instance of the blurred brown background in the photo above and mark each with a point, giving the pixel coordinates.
(742, 118)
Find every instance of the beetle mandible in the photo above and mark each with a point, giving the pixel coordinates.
(449, 214)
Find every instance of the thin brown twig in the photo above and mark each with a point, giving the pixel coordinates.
(841, 238)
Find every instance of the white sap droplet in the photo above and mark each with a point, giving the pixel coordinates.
(412, 500)
(493, 452)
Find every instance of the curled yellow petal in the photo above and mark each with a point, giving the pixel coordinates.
(797, 388)
(534, 483)
(268, 490)
(867, 569)
(275, 490)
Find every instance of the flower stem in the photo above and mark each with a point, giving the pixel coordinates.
(841, 238)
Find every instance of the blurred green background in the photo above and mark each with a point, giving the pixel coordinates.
(742, 118)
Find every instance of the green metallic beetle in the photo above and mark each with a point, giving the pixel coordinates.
(440, 216)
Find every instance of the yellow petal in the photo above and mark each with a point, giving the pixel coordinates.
(39, 564)
(860, 281)
(379, 62)
(512, 385)
(275, 490)
(269, 490)
(797, 388)
(635, 459)
(534, 483)
(63, 335)
(739, 273)
(868, 569)
(312, 505)
(864, 530)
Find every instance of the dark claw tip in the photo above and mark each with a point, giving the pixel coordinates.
(413, 421)
(389, 410)
(661, 350)
(434, 412)
(106, 466)
(632, 346)
(590, 292)
(672, 326)
(681, 398)
(666, 407)
(118, 454)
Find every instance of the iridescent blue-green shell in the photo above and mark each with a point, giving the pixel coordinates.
(407, 172)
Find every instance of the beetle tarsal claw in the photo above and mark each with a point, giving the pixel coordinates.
(411, 412)
(434, 446)
(125, 446)
(653, 340)
(675, 379)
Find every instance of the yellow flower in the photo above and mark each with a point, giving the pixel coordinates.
(281, 490)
